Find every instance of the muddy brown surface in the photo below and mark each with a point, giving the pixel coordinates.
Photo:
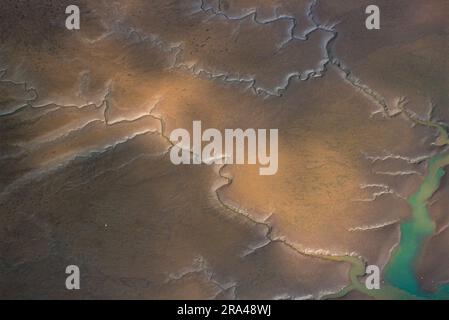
(85, 172)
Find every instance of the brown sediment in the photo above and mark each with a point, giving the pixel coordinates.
(86, 177)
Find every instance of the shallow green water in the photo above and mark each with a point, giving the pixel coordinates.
(400, 273)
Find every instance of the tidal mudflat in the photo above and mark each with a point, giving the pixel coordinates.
(86, 176)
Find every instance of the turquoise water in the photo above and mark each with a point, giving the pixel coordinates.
(400, 272)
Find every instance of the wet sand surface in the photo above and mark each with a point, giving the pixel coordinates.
(86, 177)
